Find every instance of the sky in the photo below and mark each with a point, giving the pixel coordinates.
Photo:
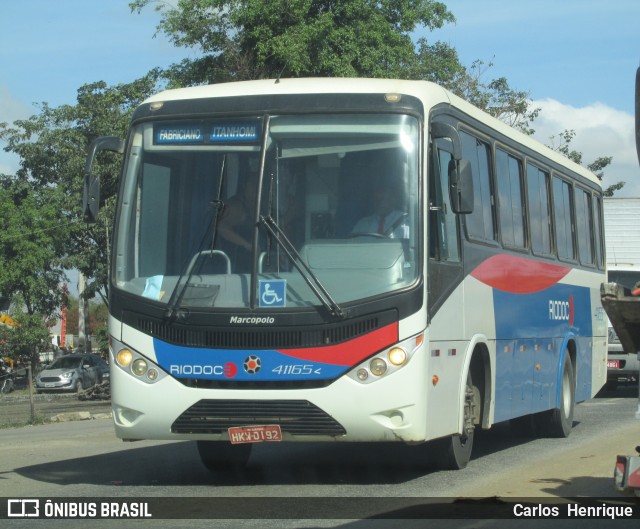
(576, 58)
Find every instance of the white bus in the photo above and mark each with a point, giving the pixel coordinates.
(346, 260)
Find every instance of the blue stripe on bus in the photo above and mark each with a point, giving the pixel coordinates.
(529, 370)
(240, 365)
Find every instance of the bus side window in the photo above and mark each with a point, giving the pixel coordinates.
(480, 223)
(539, 210)
(510, 199)
(584, 226)
(564, 228)
(443, 228)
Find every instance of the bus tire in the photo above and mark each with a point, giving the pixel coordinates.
(560, 420)
(219, 456)
(454, 452)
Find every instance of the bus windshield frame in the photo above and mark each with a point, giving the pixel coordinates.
(199, 195)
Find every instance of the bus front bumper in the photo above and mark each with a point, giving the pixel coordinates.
(343, 411)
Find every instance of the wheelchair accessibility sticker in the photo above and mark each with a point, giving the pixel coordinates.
(272, 292)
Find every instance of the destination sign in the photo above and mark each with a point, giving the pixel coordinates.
(235, 132)
(202, 133)
(184, 133)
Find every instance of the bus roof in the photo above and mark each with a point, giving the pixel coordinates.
(429, 93)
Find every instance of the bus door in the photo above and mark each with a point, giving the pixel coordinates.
(445, 271)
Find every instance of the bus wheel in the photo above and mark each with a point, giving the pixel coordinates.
(560, 420)
(222, 455)
(454, 452)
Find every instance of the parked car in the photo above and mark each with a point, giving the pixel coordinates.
(72, 373)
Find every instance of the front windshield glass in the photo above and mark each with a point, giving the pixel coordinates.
(343, 189)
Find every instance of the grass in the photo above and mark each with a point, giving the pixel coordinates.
(37, 420)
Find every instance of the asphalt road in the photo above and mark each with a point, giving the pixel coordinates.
(83, 458)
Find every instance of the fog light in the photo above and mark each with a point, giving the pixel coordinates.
(152, 374)
(378, 366)
(139, 367)
(362, 374)
(397, 356)
(124, 357)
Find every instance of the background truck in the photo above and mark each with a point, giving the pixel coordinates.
(623, 308)
(622, 229)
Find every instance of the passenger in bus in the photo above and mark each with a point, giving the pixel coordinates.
(388, 218)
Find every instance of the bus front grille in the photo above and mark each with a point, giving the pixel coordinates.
(296, 417)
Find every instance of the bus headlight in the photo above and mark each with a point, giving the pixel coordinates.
(378, 367)
(133, 363)
(139, 367)
(387, 361)
(397, 356)
(124, 357)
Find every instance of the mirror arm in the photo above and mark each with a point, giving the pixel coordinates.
(445, 130)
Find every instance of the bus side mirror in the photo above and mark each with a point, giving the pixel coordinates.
(91, 191)
(460, 186)
(91, 198)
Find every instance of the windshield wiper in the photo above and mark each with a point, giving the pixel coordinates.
(307, 274)
(175, 301)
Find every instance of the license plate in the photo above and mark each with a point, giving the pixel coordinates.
(49, 385)
(255, 434)
(613, 364)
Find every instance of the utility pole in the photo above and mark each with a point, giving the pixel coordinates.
(63, 321)
(83, 315)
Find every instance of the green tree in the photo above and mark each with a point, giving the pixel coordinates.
(562, 144)
(32, 234)
(52, 147)
(23, 341)
(494, 96)
(252, 39)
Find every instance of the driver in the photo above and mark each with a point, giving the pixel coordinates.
(236, 225)
(388, 219)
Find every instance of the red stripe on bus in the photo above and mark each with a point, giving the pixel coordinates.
(518, 275)
(351, 352)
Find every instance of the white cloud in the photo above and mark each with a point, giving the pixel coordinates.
(600, 131)
(11, 109)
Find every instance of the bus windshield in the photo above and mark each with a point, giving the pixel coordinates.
(207, 202)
